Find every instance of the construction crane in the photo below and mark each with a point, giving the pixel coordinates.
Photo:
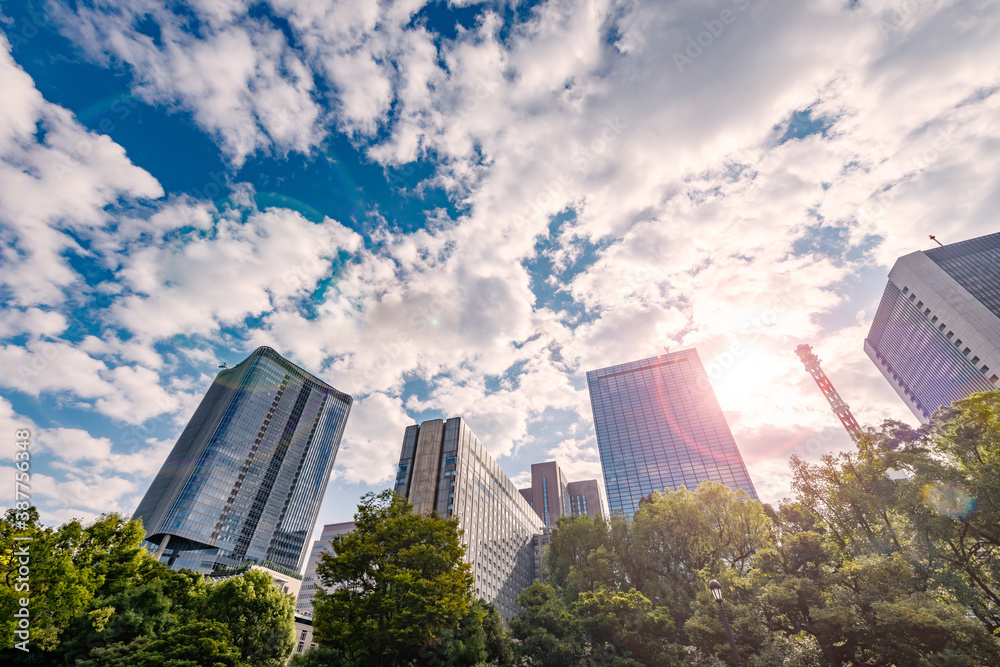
(841, 409)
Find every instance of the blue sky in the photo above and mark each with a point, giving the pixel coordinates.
(457, 209)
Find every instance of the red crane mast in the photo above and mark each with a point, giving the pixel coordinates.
(841, 409)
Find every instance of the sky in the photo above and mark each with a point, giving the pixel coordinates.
(458, 208)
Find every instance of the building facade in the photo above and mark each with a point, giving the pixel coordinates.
(443, 467)
(585, 499)
(659, 426)
(245, 479)
(936, 334)
(310, 582)
(551, 495)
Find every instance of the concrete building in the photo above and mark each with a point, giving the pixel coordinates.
(551, 495)
(936, 334)
(444, 467)
(303, 634)
(245, 479)
(659, 426)
(310, 582)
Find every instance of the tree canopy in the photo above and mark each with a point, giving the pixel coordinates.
(887, 555)
(400, 587)
(97, 597)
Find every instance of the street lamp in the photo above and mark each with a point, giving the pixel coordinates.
(716, 589)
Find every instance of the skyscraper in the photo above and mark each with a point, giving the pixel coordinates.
(936, 334)
(659, 426)
(552, 496)
(245, 479)
(444, 467)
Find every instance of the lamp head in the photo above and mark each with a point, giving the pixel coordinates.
(716, 589)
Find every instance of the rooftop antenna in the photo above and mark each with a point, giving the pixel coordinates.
(841, 409)
(223, 365)
(934, 238)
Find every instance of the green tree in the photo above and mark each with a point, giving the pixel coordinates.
(499, 646)
(943, 519)
(198, 643)
(399, 584)
(154, 605)
(547, 633)
(953, 501)
(624, 628)
(260, 618)
(581, 556)
(77, 572)
(678, 535)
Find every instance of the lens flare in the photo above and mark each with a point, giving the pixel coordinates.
(948, 499)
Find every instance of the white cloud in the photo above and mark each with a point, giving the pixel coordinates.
(55, 176)
(241, 269)
(370, 448)
(240, 78)
(689, 222)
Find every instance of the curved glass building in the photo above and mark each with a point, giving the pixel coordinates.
(245, 480)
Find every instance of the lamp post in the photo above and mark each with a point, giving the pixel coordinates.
(716, 589)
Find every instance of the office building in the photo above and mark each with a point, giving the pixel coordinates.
(443, 467)
(936, 334)
(659, 426)
(245, 479)
(310, 582)
(552, 496)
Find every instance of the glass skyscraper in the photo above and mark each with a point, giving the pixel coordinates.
(443, 467)
(936, 334)
(245, 479)
(659, 426)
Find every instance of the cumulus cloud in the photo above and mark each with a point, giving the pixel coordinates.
(628, 177)
(375, 427)
(239, 77)
(55, 177)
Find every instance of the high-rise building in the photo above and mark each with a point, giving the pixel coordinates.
(245, 479)
(310, 582)
(659, 426)
(936, 334)
(552, 496)
(443, 467)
